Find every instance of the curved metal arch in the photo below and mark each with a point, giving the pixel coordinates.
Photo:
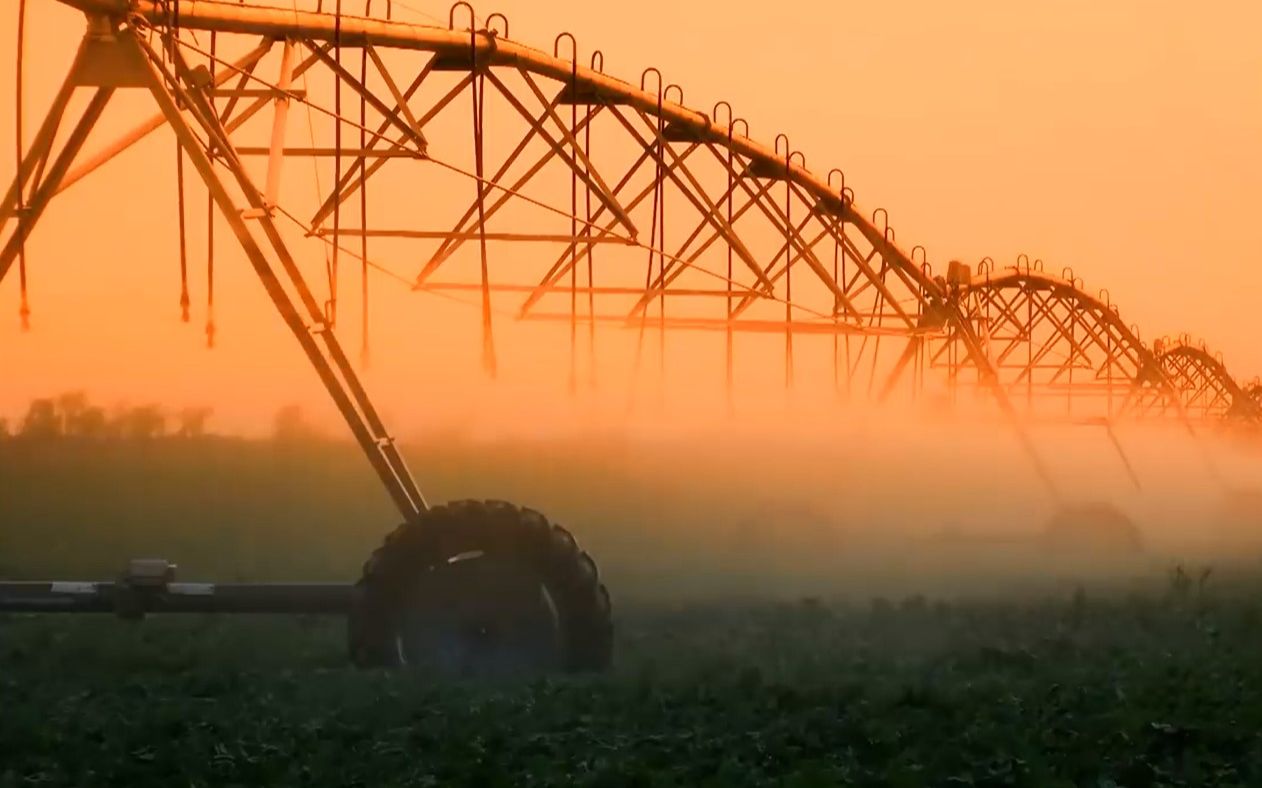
(1070, 289)
(886, 293)
(1204, 383)
(905, 300)
(354, 31)
(1062, 328)
(1254, 390)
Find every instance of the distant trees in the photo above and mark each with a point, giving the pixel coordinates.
(144, 422)
(89, 423)
(71, 415)
(291, 426)
(41, 421)
(193, 422)
(79, 418)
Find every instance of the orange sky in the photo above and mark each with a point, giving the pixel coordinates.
(1119, 138)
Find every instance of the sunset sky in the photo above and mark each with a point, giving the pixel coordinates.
(1123, 139)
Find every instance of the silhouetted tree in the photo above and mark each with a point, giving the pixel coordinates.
(78, 417)
(116, 423)
(88, 423)
(291, 426)
(72, 415)
(193, 422)
(70, 406)
(41, 421)
(143, 422)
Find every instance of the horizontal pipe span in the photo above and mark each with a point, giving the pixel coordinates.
(109, 597)
(328, 153)
(743, 325)
(357, 232)
(566, 290)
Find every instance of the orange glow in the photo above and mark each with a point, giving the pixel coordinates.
(1120, 139)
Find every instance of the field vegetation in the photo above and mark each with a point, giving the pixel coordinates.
(762, 639)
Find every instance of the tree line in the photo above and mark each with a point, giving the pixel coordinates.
(73, 416)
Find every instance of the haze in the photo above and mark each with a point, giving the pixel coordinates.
(1120, 139)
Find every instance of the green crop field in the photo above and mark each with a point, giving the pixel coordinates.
(750, 650)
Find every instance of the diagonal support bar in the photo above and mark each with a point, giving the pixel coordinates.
(41, 146)
(325, 355)
(48, 188)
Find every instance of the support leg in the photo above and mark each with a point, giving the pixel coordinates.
(325, 353)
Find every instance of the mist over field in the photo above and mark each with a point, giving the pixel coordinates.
(820, 555)
(872, 506)
(873, 601)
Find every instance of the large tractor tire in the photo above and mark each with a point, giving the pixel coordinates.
(476, 588)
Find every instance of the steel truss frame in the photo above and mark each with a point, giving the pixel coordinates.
(773, 247)
(1065, 352)
(755, 237)
(1205, 387)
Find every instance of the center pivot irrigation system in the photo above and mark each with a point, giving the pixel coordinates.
(758, 245)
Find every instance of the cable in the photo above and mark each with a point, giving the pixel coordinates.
(330, 306)
(394, 276)
(729, 360)
(574, 229)
(409, 283)
(179, 201)
(478, 91)
(315, 165)
(363, 196)
(788, 267)
(24, 309)
(210, 224)
(658, 199)
(171, 40)
(591, 250)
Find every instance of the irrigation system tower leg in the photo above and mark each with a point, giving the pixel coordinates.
(316, 337)
(183, 105)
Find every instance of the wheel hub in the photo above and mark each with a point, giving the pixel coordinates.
(479, 615)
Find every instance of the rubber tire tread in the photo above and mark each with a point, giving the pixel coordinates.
(495, 527)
